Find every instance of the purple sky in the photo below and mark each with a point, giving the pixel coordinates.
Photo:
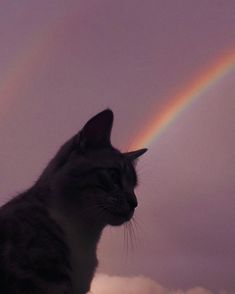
(63, 61)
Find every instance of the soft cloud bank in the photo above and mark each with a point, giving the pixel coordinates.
(104, 284)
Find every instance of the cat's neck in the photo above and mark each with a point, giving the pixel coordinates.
(75, 224)
(78, 229)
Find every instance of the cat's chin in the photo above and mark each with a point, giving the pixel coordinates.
(117, 219)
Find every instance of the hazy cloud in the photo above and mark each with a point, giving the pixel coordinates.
(104, 284)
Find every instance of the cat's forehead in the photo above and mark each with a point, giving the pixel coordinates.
(93, 158)
(107, 157)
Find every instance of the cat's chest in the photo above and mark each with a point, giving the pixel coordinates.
(83, 261)
(82, 257)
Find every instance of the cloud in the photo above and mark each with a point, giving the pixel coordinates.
(105, 284)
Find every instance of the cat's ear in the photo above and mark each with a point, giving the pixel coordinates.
(133, 155)
(96, 132)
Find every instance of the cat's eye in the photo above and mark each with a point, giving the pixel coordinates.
(110, 178)
(115, 176)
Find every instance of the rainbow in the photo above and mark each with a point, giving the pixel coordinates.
(20, 71)
(25, 65)
(196, 88)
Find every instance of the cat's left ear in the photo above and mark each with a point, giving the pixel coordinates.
(97, 131)
(133, 155)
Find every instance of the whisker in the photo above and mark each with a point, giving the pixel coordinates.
(126, 244)
(136, 225)
(132, 236)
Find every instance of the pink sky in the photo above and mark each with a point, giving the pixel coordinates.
(63, 61)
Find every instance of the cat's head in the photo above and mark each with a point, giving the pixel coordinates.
(92, 178)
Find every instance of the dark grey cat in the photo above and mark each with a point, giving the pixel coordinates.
(49, 234)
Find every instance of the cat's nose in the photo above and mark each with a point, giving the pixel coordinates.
(132, 200)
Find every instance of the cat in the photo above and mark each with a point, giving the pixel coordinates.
(49, 233)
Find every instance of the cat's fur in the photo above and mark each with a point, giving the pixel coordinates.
(49, 234)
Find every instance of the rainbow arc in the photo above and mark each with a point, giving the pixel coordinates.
(164, 118)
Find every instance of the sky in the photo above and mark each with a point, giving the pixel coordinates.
(61, 62)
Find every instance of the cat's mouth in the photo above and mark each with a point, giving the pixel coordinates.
(117, 218)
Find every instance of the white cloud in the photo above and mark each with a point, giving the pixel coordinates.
(104, 284)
